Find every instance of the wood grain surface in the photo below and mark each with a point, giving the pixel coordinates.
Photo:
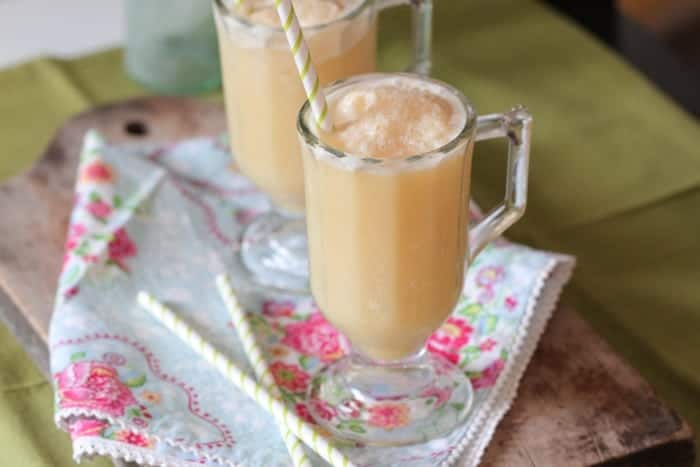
(579, 403)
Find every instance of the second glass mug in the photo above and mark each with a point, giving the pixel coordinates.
(389, 243)
(263, 94)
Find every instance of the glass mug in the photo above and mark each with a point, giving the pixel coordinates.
(263, 94)
(389, 243)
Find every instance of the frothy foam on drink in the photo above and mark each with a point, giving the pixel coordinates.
(255, 24)
(309, 12)
(393, 118)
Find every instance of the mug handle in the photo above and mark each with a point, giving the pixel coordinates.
(422, 19)
(515, 125)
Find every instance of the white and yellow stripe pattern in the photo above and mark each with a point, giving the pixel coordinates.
(258, 362)
(302, 430)
(302, 59)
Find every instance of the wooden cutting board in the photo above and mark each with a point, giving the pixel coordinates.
(579, 403)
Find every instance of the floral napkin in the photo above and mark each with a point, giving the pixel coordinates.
(167, 219)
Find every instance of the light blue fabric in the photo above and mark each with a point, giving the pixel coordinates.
(167, 220)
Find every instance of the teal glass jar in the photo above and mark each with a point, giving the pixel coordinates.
(171, 45)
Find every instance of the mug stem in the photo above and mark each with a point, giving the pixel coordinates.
(274, 250)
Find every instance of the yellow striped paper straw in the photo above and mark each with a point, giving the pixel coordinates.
(302, 59)
(258, 362)
(302, 430)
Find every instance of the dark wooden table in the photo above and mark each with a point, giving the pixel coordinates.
(579, 403)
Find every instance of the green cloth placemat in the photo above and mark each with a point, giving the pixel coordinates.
(615, 180)
(28, 435)
(35, 98)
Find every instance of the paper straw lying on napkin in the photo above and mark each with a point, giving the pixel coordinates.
(258, 362)
(304, 431)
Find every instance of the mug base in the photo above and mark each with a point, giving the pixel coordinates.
(390, 404)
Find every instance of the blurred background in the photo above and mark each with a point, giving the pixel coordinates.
(29, 28)
(660, 37)
(98, 25)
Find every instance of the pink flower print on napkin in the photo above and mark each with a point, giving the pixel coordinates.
(450, 338)
(97, 172)
(322, 410)
(72, 292)
(487, 345)
(75, 233)
(315, 337)
(441, 395)
(489, 376)
(389, 415)
(275, 309)
(303, 411)
(352, 408)
(290, 377)
(489, 276)
(87, 427)
(120, 248)
(93, 385)
(99, 209)
(133, 438)
(486, 295)
(511, 302)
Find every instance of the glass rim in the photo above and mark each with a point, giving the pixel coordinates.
(312, 140)
(224, 10)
